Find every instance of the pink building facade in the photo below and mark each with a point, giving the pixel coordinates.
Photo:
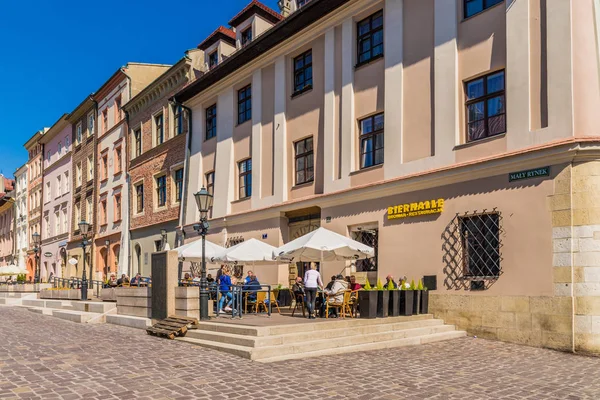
(6, 221)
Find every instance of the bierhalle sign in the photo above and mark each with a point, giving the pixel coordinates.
(416, 209)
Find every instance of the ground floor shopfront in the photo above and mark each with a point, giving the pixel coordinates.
(74, 266)
(53, 257)
(510, 252)
(148, 240)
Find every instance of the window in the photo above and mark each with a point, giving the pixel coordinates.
(370, 237)
(89, 207)
(245, 178)
(47, 223)
(246, 36)
(105, 120)
(137, 138)
(473, 7)
(178, 118)
(58, 186)
(48, 156)
(304, 161)
(211, 122)
(78, 137)
(67, 143)
(302, 3)
(178, 184)
(104, 167)
(210, 182)
(103, 214)
(161, 190)
(78, 174)
(245, 104)
(480, 237)
(59, 148)
(371, 141)
(118, 160)
(48, 192)
(213, 59)
(158, 245)
(90, 169)
(91, 122)
(486, 109)
(118, 109)
(159, 130)
(57, 223)
(77, 216)
(117, 207)
(65, 221)
(303, 72)
(370, 38)
(67, 188)
(139, 195)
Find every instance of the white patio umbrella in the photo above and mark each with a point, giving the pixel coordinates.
(323, 245)
(12, 270)
(193, 251)
(249, 251)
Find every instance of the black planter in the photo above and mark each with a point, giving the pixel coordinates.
(284, 298)
(367, 303)
(406, 302)
(394, 307)
(417, 302)
(425, 302)
(383, 303)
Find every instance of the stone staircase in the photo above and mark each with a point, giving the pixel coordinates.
(15, 298)
(285, 342)
(84, 312)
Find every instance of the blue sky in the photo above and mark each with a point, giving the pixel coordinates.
(54, 53)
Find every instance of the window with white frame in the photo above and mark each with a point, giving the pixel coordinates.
(78, 134)
(48, 192)
(65, 220)
(58, 186)
(78, 174)
(56, 223)
(67, 186)
(77, 215)
(89, 207)
(91, 124)
(90, 168)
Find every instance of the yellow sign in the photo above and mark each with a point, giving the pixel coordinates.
(416, 209)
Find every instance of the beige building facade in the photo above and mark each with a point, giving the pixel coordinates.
(459, 142)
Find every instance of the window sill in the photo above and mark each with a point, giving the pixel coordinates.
(479, 141)
(369, 61)
(207, 139)
(303, 184)
(302, 91)
(161, 208)
(117, 174)
(241, 200)
(242, 123)
(103, 181)
(117, 221)
(365, 169)
(104, 225)
(140, 214)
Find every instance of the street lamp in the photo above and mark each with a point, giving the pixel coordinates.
(84, 228)
(204, 201)
(107, 267)
(36, 250)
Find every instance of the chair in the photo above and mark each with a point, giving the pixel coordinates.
(251, 302)
(342, 306)
(353, 303)
(274, 301)
(261, 298)
(298, 301)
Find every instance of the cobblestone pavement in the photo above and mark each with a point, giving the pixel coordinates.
(43, 357)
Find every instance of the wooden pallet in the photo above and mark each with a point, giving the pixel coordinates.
(172, 327)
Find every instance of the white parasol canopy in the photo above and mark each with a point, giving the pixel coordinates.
(193, 251)
(249, 251)
(323, 245)
(12, 270)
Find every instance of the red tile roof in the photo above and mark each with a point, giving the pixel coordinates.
(9, 185)
(213, 37)
(268, 12)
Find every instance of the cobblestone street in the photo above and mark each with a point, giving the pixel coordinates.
(43, 357)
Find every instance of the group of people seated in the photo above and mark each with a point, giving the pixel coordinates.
(124, 280)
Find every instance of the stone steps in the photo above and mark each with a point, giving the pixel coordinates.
(301, 340)
(129, 320)
(81, 317)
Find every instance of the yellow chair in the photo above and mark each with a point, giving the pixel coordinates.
(353, 303)
(273, 301)
(334, 303)
(261, 298)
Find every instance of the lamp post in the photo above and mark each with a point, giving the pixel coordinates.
(106, 266)
(204, 201)
(36, 250)
(84, 228)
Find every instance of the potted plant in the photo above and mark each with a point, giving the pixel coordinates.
(424, 307)
(406, 301)
(383, 300)
(394, 303)
(367, 301)
(416, 299)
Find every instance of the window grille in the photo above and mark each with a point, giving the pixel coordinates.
(370, 237)
(472, 250)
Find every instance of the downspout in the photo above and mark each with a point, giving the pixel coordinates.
(186, 163)
(125, 252)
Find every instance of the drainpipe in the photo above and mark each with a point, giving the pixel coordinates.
(186, 171)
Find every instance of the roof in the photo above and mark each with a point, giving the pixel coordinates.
(9, 184)
(221, 33)
(306, 16)
(34, 139)
(55, 129)
(256, 7)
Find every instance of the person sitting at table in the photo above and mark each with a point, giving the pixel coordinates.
(389, 279)
(123, 279)
(248, 277)
(298, 287)
(353, 284)
(403, 282)
(187, 279)
(225, 289)
(210, 279)
(337, 289)
(137, 279)
(112, 281)
(251, 288)
(330, 284)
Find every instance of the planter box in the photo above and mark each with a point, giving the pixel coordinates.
(383, 303)
(424, 302)
(394, 303)
(108, 294)
(367, 301)
(417, 302)
(406, 302)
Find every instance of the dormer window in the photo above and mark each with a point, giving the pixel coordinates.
(246, 36)
(213, 59)
(302, 3)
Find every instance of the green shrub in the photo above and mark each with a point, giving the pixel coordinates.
(367, 286)
(420, 285)
(379, 284)
(412, 285)
(390, 285)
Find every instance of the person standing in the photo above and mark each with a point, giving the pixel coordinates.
(312, 282)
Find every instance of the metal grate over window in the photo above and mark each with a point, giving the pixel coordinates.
(472, 250)
(370, 237)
